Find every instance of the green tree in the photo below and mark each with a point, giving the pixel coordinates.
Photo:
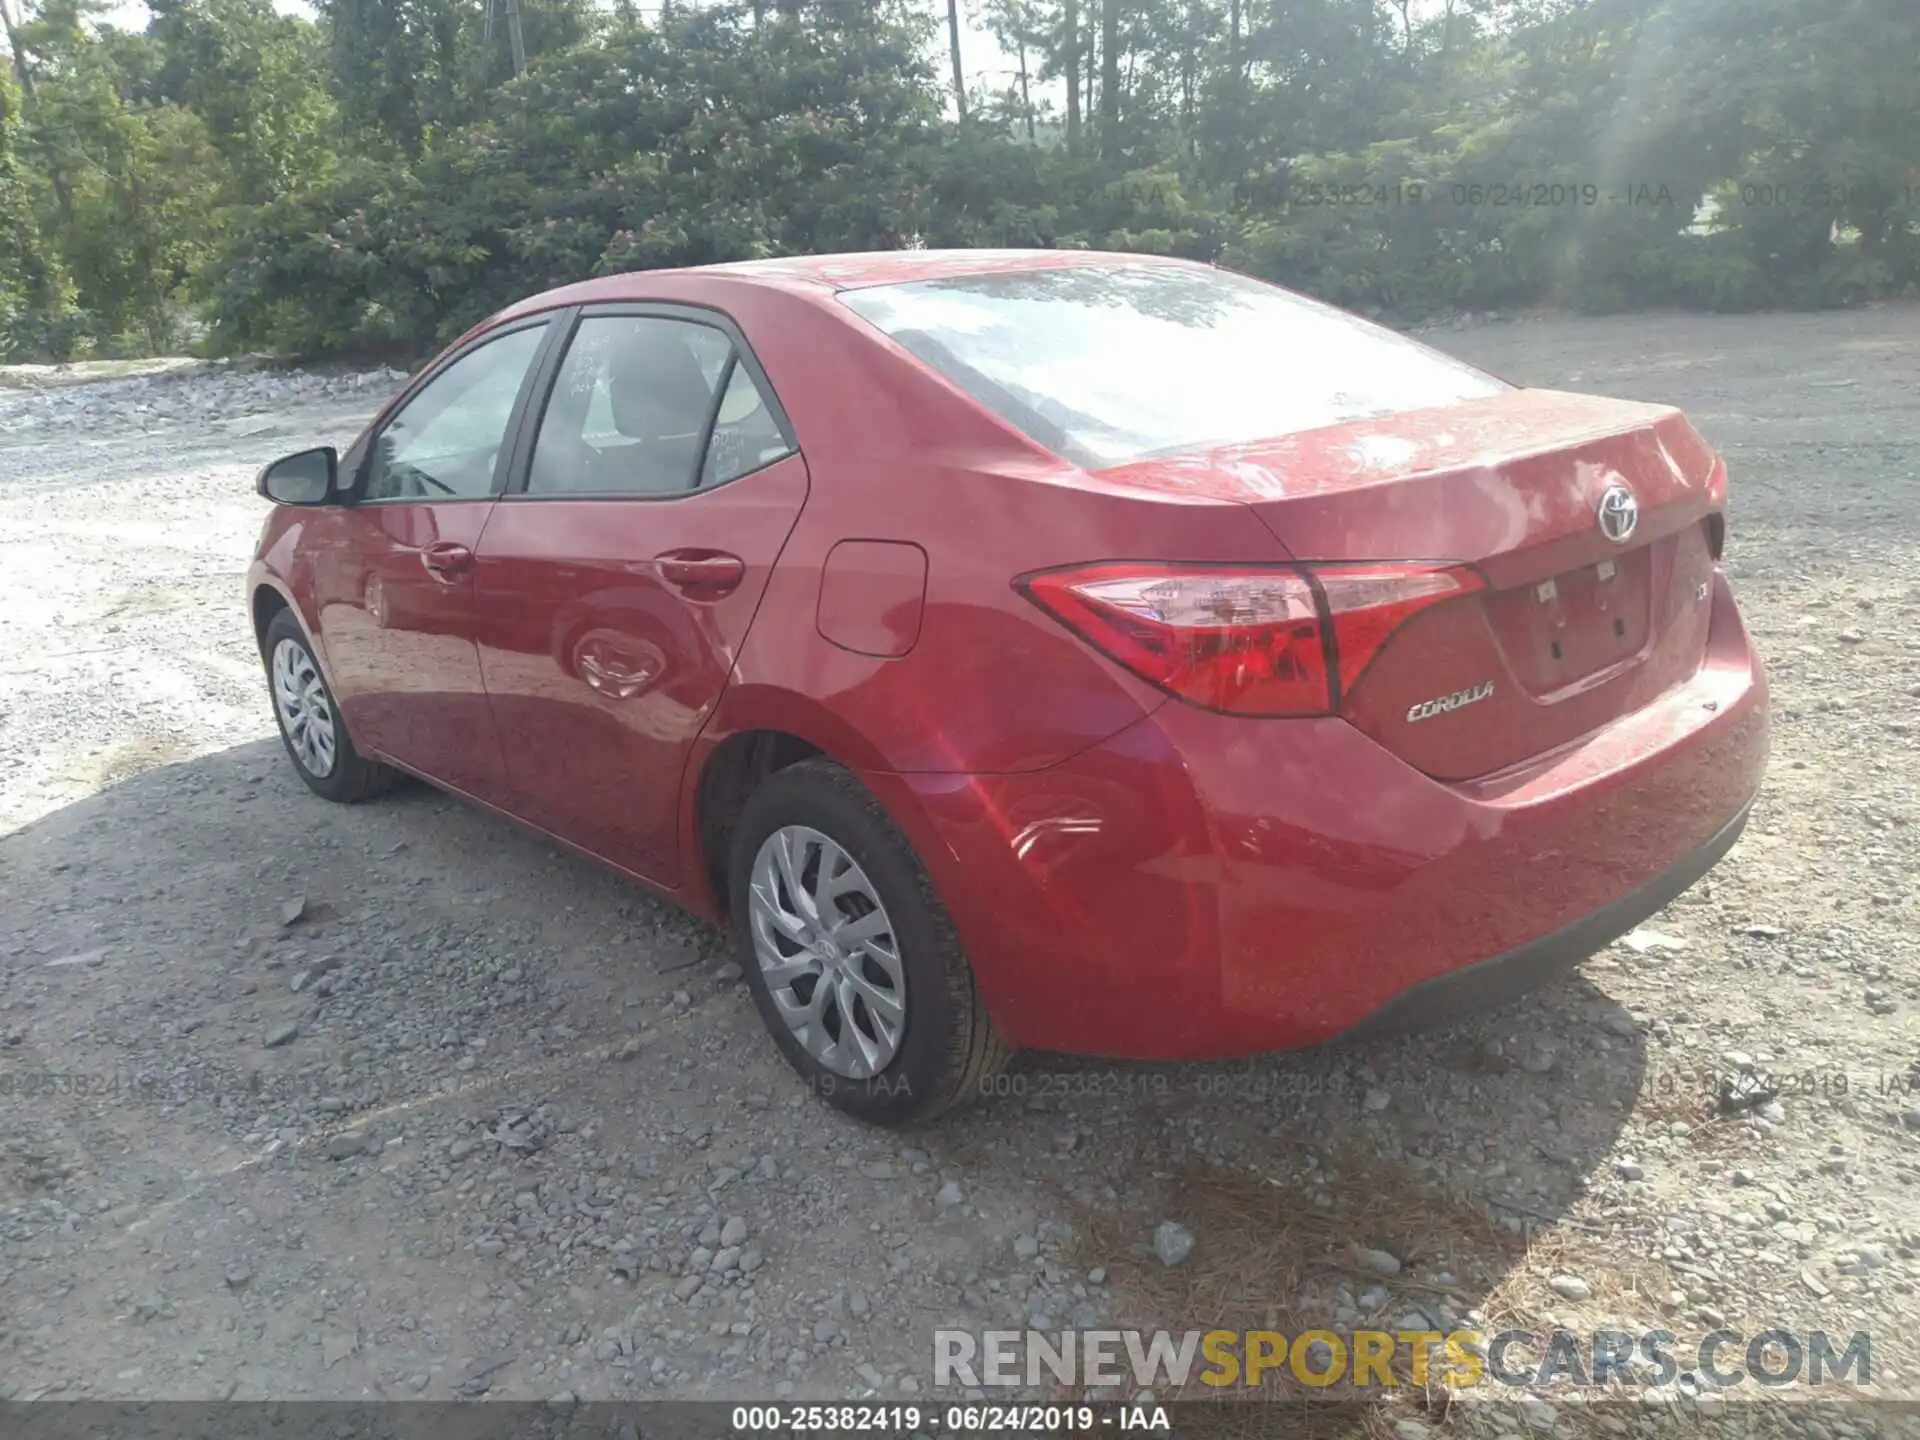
(31, 299)
(612, 155)
(255, 78)
(129, 180)
(386, 175)
(1019, 28)
(401, 69)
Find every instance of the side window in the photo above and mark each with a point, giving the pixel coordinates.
(443, 442)
(631, 406)
(745, 434)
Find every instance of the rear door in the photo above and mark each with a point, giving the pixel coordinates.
(393, 570)
(620, 572)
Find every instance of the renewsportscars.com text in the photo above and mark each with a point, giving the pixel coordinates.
(1163, 1360)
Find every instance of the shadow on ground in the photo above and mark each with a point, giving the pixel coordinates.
(1396, 1184)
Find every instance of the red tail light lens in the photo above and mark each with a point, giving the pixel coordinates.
(1245, 639)
(1717, 520)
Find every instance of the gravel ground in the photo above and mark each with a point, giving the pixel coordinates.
(299, 1101)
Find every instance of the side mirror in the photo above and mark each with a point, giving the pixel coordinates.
(307, 478)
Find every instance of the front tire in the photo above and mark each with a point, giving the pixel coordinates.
(311, 728)
(850, 955)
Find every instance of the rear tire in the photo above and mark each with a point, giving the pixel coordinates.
(903, 954)
(311, 727)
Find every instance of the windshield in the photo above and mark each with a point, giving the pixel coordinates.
(1105, 365)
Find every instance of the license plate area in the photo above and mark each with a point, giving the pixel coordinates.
(1578, 624)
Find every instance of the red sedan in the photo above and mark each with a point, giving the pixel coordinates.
(1086, 652)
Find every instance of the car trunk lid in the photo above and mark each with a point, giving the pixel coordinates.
(1578, 621)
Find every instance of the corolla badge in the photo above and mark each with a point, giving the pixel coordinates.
(1618, 514)
(1447, 704)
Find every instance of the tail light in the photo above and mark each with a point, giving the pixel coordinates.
(1245, 639)
(1717, 519)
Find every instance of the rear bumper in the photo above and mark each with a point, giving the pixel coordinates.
(1200, 886)
(1492, 983)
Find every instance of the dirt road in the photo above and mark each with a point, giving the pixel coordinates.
(302, 1101)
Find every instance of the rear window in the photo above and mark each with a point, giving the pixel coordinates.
(1106, 365)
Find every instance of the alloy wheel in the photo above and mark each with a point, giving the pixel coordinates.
(828, 952)
(305, 712)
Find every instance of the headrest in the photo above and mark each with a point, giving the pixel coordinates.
(655, 385)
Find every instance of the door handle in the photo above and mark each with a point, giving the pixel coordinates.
(446, 558)
(702, 574)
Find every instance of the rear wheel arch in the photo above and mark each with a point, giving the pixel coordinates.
(757, 731)
(738, 766)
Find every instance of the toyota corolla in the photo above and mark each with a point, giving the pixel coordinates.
(1075, 651)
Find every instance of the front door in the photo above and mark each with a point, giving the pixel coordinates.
(615, 587)
(393, 570)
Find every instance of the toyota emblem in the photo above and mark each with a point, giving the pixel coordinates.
(1618, 514)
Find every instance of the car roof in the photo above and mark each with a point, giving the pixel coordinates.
(822, 274)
